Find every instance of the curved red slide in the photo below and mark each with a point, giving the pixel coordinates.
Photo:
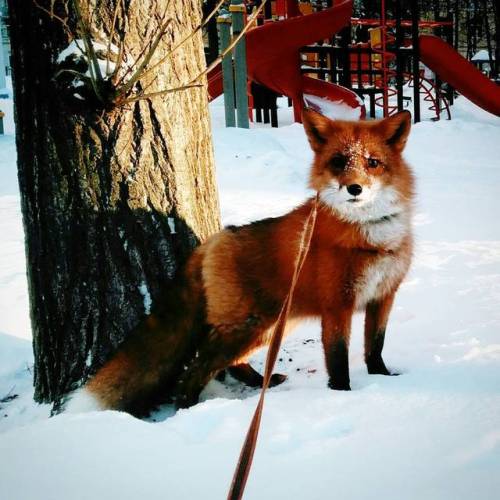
(329, 92)
(273, 58)
(451, 67)
(274, 61)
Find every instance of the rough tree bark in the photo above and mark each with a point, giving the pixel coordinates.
(113, 200)
(496, 61)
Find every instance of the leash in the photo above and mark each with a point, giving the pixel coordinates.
(247, 451)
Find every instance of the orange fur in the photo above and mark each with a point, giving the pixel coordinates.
(234, 284)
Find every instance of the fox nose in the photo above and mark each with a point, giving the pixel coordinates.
(354, 189)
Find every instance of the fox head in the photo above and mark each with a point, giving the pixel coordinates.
(358, 169)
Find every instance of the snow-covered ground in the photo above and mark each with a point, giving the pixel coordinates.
(431, 433)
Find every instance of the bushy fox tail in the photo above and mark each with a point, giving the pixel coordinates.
(153, 355)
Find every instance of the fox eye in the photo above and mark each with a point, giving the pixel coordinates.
(338, 162)
(373, 163)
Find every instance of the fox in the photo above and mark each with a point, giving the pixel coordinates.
(228, 296)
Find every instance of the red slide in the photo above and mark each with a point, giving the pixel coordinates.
(273, 58)
(451, 67)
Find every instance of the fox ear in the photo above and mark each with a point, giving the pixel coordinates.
(317, 128)
(395, 130)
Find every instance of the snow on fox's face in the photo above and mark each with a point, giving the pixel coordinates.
(358, 170)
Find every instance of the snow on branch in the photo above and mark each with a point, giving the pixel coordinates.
(96, 69)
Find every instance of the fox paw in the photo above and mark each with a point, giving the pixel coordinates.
(377, 367)
(277, 379)
(339, 385)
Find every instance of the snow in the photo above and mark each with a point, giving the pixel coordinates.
(81, 401)
(482, 55)
(146, 297)
(171, 225)
(431, 433)
(76, 50)
(336, 110)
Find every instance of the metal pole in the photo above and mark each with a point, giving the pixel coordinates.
(224, 24)
(437, 83)
(213, 38)
(268, 12)
(345, 41)
(450, 40)
(415, 15)
(385, 77)
(237, 10)
(3, 83)
(399, 56)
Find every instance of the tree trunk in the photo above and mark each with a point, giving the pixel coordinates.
(468, 24)
(113, 199)
(487, 33)
(456, 25)
(496, 61)
(475, 24)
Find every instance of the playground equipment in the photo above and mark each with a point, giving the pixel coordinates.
(460, 73)
(391, 61)
(273, 58)
(339, 72)
(394, 61)
(234, 70)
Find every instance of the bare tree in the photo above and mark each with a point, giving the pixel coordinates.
(496, 52)
(116, 174)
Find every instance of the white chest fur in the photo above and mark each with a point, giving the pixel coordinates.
(380, 277)
(388, 231)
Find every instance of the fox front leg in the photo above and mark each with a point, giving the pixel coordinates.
(335, 334)
(377, 315)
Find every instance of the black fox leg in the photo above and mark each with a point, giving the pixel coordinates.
(377, 315)
(245, 373)
(224, 345)
(337, 362)
(335, 336)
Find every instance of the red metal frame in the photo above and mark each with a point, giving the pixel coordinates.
(405, 23)
(425, 86)
(383, 64)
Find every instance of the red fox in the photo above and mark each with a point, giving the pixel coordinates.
(231, 290)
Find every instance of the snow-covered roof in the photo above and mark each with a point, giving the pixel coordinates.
(482, 55)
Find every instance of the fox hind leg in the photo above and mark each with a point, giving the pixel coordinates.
(244, 372)
(223, 347)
